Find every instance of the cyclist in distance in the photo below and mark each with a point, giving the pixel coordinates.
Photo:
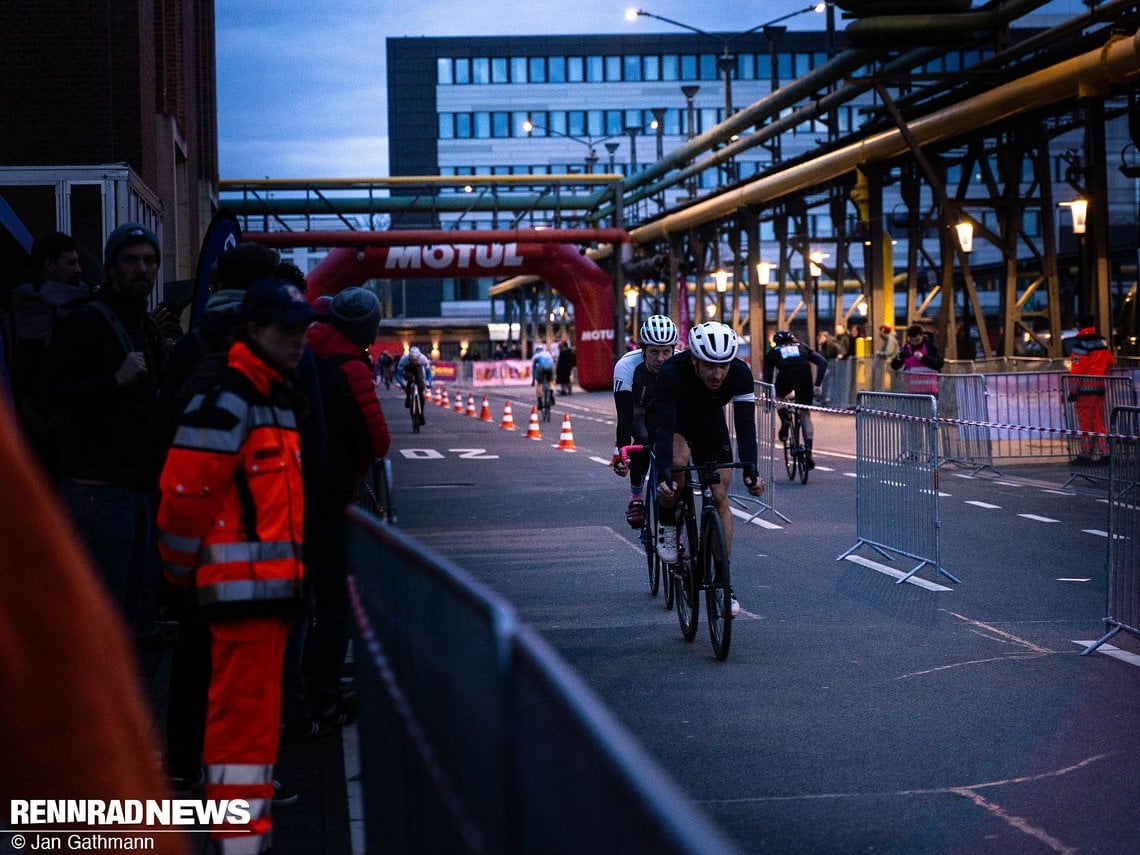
(635, 383)
(791, 362)
(692, 391)
(542, 369)
(413, 371)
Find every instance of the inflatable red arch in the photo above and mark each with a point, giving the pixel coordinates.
(357, 257)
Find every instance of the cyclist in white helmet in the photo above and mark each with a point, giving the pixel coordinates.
(413, 371)
(692, 390)
(634, 389)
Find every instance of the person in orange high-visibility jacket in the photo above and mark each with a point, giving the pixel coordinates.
(230, 525)
(1091, 360)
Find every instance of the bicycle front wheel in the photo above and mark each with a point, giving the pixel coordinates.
(790, 456)
(718, 589)
(649, 533)
(686, 590)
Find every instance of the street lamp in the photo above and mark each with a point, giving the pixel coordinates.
(727, 60)
(591, 158)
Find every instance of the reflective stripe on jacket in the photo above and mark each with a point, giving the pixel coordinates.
(232, 503)
(1090, 356)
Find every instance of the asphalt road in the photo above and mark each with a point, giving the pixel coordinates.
(854, 714)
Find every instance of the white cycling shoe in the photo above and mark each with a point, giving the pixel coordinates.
(667, 543)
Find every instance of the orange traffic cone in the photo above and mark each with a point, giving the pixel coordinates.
(471, 406)
(446, 402)
(438, 395)
(508, 419)
(459, 402)
(485, 415)
(566, 439)
(532, 431)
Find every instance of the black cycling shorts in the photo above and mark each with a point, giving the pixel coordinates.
(804, 392)
(707, 435)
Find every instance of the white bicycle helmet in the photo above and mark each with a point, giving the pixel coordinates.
(658, 330)
(414, 352)
(713, 342)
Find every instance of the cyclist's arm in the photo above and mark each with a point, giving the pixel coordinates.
(820, 363)
(623, 405)
(665, 418)
(427, 373)
(769, 367)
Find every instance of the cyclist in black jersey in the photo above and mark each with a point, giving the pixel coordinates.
(791, 364)
(692, 391)
(635, 381)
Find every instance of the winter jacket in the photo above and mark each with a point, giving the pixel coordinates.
(1090, 357)
(232, 504)
(357, 429)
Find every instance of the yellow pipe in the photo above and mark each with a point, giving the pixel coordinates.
(1118, 61)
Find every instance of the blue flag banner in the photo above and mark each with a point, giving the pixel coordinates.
(224, 232)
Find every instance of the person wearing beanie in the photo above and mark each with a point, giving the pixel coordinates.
(101, 374)
(358, 435)
(1091, 360)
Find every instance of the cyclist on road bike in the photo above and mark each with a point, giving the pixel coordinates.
(542, 369)
(692, 391)
(635, 386)
(791, 362)
(413, 371)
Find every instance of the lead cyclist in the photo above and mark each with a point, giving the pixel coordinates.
(692, 391)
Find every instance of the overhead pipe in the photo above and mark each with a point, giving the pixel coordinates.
(449, 203)
(1116, 62)
(425, 237)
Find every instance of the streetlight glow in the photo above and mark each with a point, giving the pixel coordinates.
(631, 13)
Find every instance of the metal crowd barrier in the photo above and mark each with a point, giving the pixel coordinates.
(476, 737)
(766, 448)
(1087, 454)
(896, 478)
(1123, 562)
(963, 397)
(374, 493)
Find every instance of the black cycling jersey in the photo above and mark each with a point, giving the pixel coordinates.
(685, 405)
(791, 363)
(644, 403)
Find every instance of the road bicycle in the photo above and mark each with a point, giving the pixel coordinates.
(795, 452)
(416, 390)
(702, 561)
(546, 403)
(657, 578)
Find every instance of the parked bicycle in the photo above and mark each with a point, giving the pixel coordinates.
(648, 535)
(795, 452)
(702, 561)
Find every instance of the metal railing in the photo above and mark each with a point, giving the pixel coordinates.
(374, 493)
(1088, 453)
(896, 478)
(766, 448)
(477, 737)
(1123, 559)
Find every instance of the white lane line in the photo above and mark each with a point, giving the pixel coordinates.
(1114, 652)
(824, 468)
(1062, 579)
(895, 574)
(1008, 484)
(850, 474)
(946, 495)
(736, 512)
(600, 460)
(985, 505)
(1095, 531)
(1064, 493)
(1036, 518)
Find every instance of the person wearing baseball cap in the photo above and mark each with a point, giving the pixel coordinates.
(231, 524)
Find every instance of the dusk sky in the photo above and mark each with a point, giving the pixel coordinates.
(302, 89)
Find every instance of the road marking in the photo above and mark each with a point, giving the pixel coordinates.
(1095, 531)
(600, 460)
(1028, 644)
(985, 505)
(851, 474)
(895, 574)
(744, 515)
(1036, 518)
(824, 468)
(1062, 579)
(1008, 484)
(1114, 652)
(1063, 493)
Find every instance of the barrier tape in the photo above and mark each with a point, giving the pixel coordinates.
(444, 788)
(944, 421)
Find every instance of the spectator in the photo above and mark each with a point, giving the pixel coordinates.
(1091, 361)
(564, 371)
(231, 521)
(37, 309)
(844, 342)
(829, 350)
(358, 435)
(101, 374)
(888, 350)
(919, 360)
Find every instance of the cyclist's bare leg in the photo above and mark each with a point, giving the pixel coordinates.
(680, 476)
(723, 508)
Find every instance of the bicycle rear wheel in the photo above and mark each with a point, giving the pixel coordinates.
(718, 590)
(790, 454)
(801, 453)
(686, 591)
(417, 409)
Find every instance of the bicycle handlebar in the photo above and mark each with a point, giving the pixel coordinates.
(627, 450)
